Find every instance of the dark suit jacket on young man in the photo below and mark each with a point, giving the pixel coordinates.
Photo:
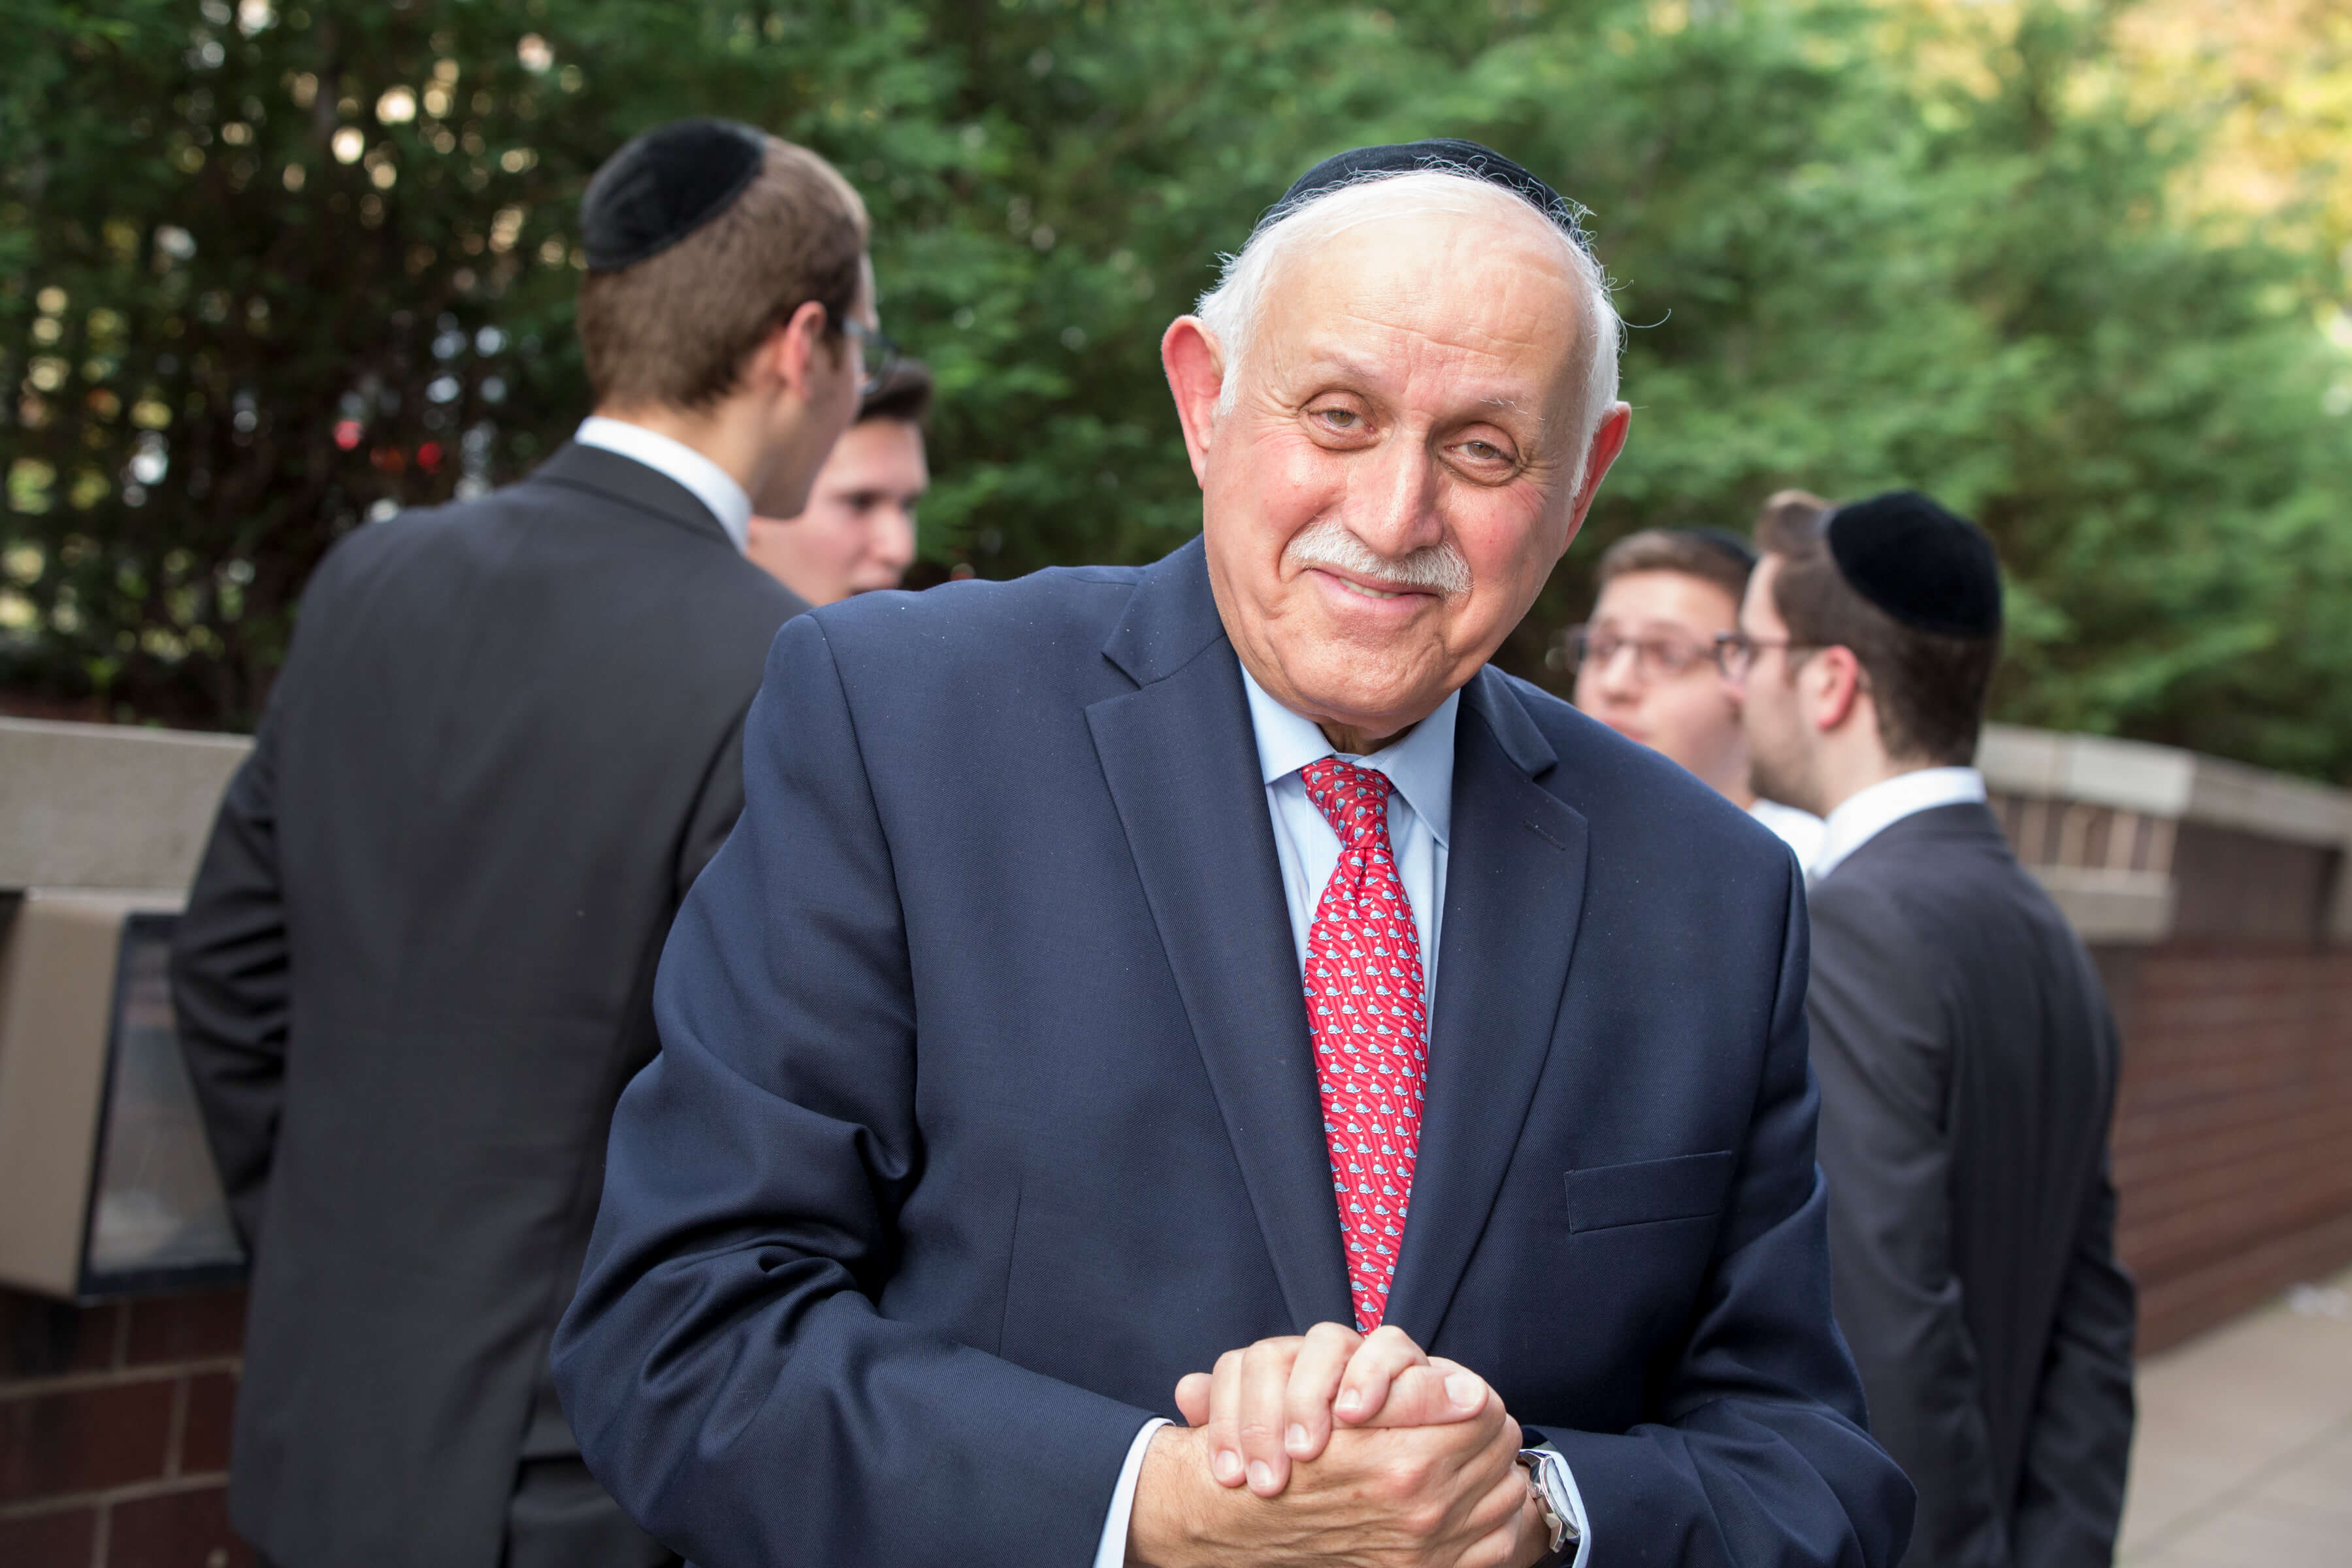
(986, 1110)
(1967, 1069)
(416, 971)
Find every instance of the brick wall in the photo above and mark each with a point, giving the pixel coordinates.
(2233, 1127)
(114, 1432)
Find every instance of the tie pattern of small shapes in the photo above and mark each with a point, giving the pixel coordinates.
(1371, 1042)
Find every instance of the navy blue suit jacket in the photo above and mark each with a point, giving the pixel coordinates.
(985, 1111)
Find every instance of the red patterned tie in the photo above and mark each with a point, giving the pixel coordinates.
(1363, 1006)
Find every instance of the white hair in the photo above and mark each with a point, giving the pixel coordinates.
(1232, 310)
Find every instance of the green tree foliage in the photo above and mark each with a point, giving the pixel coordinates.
(265, 273)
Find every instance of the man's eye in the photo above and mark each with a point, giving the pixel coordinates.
(1340, 419)
(1484, 452)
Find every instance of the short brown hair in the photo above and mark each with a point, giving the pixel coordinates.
(1674, 550)
(903, 393)
(1928, 689)
(675, 330)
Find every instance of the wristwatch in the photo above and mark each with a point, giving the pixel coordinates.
(1547, 1469)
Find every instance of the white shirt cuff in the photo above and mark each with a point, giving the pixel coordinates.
(1576, 1506)
(1112, 1552)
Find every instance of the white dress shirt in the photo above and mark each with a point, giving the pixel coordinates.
(1802, 831)
(1865, 814)
(1421, 820)
(711, 485)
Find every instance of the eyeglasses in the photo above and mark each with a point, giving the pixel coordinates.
(1654, 659)
(880, 354)
(1735, 652)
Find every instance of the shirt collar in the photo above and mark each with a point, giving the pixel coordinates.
(1864, 815)
(709, 483)
(1420, 765)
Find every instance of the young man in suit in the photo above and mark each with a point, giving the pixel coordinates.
(1212, 973)
(856, 531)
(1966, 1056)
(416, 965)
(1649, 662)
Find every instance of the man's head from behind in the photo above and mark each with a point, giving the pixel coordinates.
(858, 531)
(1646, 659)
(727, 272)
(1399, 403)
(1870, 636)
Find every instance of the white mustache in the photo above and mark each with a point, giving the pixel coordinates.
(1329, 543)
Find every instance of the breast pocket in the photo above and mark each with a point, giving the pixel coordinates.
(1648, 1191)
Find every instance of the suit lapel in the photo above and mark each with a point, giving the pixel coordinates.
(1181, 760)
(1514, 888)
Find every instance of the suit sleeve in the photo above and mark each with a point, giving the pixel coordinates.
(230, 981)
(2070, 1495)
(1882, 1048)
(1759, 1457)
(716, 806)
(724, 1363)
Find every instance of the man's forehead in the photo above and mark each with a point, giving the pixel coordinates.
(1496, 271)
(1662, 596)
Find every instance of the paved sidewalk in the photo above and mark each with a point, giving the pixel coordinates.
(2243, 1457)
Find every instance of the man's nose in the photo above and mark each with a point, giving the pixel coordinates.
(1395, 496)
(894, 537)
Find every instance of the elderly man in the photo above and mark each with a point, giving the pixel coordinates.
(1125, 973)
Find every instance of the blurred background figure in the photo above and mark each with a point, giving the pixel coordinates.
(417, 966)
(1646, 663)
(858, 531)
(1966, 1054)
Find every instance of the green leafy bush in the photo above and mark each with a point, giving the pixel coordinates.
(266, 273)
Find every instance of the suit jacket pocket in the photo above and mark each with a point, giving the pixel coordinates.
(1688, 1186)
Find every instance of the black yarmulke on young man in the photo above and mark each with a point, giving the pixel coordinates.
(663, 185)
(1444, 155)
(1928, 568)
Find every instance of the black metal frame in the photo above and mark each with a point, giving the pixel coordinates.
(89, 1287)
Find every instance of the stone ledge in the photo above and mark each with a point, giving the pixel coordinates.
(106, 806)
(2125, 908)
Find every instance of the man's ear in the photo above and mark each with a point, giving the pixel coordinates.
(1196, 374)
(1838, 690)
(1608, 440)
(788, 357)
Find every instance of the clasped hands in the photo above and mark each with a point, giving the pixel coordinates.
(1335, 1448)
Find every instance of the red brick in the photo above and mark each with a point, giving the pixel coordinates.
(2232, 1120)
(41, 1337)
(81, 1439)
(186, 1328)
(212, 1405)
(61, 1540)
(181, 1530)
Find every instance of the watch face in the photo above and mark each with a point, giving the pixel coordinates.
(1551, 1493)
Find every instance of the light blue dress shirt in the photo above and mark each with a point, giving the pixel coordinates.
(1421, 820)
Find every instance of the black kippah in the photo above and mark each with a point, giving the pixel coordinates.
(1724, 543)
(1445, 155)
(663, 185)
(1923, 565)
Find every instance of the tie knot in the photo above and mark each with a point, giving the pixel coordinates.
(1353, 800)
